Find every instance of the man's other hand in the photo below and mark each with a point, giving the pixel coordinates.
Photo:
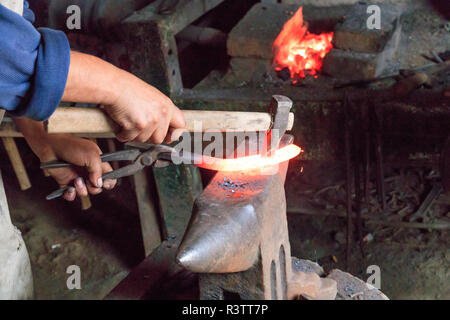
(85, 155)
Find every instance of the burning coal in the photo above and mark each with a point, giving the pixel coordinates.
(298, 50)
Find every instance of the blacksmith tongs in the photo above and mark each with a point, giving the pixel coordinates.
(141, 159)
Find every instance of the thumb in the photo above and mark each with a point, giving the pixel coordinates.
(94, 167)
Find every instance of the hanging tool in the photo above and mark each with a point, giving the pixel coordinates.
(348, 174)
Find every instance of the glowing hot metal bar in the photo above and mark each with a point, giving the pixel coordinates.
(251, 162)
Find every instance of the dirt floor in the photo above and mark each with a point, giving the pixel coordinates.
(105, 241)
(408, 270)
(414, 263)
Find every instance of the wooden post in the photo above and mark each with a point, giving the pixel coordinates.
(112, 148)
(17, 163)
(85, 202)
(148, 211)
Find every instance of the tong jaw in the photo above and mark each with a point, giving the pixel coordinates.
(152, 157)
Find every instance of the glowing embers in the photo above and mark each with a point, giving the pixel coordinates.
(298, 50)
(251, 162)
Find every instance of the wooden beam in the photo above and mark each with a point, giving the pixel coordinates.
(149, 273)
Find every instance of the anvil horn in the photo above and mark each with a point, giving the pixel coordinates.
(221, 237)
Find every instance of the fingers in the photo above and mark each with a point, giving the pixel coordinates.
(159, 134)
(167, 130)
(83, 188)
(80, 187)
(146, 135)
(108, 184)
(177, 121)
(92, 189)
(94, 167)
(176, 125)
(173, 135)
(139, 129)
(70, 194)
(127, 135)
(146, 119)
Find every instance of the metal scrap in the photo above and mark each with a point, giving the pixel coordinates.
(229, 184)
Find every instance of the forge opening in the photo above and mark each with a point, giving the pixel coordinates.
(297, 51)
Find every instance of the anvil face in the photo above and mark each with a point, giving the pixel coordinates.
(236, 213)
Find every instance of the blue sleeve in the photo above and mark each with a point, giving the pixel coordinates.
(27, 13)
(34, 65)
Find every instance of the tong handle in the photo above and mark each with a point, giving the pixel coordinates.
(124, 155)
(57, 193)
(116, 174)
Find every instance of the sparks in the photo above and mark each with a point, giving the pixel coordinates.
(298, 50)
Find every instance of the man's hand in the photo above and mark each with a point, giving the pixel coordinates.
(83, 153)
(142, 111)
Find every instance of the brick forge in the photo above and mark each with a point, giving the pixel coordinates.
(361, 53)
(358, 53)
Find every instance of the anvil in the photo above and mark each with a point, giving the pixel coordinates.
(237, 238)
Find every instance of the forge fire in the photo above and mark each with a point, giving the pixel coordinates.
(298, 50)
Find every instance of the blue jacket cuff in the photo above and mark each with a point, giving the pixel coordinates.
(50, 77)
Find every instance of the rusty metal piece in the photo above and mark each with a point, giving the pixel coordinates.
(357, 135)
(307, 283)
(366, 157)
(348, 179)
(429, 201)
(377, 126)
(237, 238)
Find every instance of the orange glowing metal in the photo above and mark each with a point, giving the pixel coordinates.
(251, 162)
(299, 50)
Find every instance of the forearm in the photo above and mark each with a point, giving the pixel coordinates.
(36, 137)
(142, 111)
(92, 80)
